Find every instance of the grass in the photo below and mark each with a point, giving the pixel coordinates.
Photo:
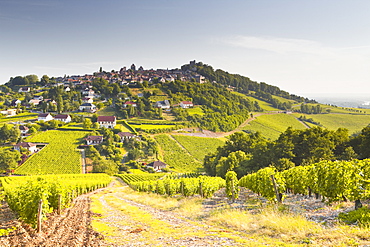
(263, 104)
(265, 225)
(107, 111)
(19, 117)
(272, 125)
(195, 110)
(353, 123)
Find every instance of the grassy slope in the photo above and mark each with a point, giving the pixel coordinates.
(19, 117)
(353, 123)
(263, 104)
(271, 126)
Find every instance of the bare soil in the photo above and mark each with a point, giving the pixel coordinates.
(71, 228)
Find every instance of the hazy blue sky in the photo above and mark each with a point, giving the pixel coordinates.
(302, 47)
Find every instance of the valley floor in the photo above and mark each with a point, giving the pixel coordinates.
(118, 216)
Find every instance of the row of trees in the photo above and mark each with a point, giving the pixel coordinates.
(241, 83)
(245, 153)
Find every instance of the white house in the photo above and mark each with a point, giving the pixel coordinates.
(186, 104)
(45, 117)
(34, 102)
(87, 100)
(94, 140)
(24, 90)
(165, 104)
(24, 130)
(87, 107)
(158, 165)
(63, 118)
(9, 112)
(27, 145)
(107, 121)
(89, 92)
(126, 135)
(127, 103)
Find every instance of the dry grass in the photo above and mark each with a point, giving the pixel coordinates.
(263, 225)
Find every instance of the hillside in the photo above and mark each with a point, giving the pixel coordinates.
(148, 103)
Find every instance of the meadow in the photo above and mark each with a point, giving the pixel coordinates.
(59, 156)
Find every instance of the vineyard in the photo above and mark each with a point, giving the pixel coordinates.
(19, 117)
(176, 157)
(199, 147)
(185, 184)
(56, 192)
(263, 104)
(354, 123)
(332, 180)
(272, 125)
(59, 156)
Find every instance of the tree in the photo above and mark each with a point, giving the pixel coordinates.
(44, 80)
(60, 104)
(87, 123)
(8, 160)
(32, 79)
(105, 166)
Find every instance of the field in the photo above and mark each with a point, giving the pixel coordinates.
(353, 123)
(263, 104)
(195, 110)
(272, 125)
(19, 117)
(176, 157)
(60, 156)
(199, 147)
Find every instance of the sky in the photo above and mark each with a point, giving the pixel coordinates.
(303, 47)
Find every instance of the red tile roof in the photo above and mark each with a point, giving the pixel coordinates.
(106, 118)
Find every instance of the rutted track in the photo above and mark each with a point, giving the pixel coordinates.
(72, 228)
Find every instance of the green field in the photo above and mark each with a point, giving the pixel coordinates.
(178, 159)
(19, 117)
(352, 122)
(263, 104)
(272, 125)
(59, 156)
(195, 110)
(199, 147)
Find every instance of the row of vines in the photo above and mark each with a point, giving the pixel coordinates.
(24, 193)
(333, 180)
(186, 186)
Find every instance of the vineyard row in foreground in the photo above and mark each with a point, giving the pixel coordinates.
(24, 193)
(334, 180)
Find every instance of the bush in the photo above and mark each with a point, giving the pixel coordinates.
(360, 216)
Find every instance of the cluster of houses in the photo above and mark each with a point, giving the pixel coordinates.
(164, 104)
(129, 75)
(48, 117)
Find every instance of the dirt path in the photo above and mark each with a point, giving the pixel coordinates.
(136, 224)
(72, 228)
(122, 221)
